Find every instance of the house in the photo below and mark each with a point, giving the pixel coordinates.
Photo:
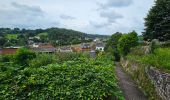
(35, 45)
(96, 40)
(65, 49)
(44, 48)
(100, 46)
(30, 42)
(76, 49)
(9, 50)
(35, 37)
(85, 47)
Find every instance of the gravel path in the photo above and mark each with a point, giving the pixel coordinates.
(127, 85)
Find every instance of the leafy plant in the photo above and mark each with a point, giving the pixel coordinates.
(23, 56)
(79, 78)
(126, 42)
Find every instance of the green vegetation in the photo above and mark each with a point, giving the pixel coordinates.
(59, 76)
(56, 36)
(157, 21)
(160, 58)
(23, 56)
(44, 34)
(111, 45)
(12, 36)
(120, 44)
(126, 42)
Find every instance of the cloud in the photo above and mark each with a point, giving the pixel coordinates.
(31, 10)
(24, 16)
(99, 25)
(111, 16)
(67, 17)
(115, 3)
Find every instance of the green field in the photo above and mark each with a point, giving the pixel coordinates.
(44, 34)
(11, 36)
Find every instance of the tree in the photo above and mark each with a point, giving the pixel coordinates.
(2, 41)
(23, 56)
(126, 42)
(113, 41)
(111, 45)
(157, 22)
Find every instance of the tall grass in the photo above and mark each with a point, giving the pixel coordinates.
(160, 58)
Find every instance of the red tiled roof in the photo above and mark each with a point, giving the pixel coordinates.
(9, 50)
(46, 46)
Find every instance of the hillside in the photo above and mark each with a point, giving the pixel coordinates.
(56, 36)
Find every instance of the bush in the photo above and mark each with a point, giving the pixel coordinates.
(126, 42)
(160, 58)
(154, 45)
(23, 56)
(83, 79)
(43, 60)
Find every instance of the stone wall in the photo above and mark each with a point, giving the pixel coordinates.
(155, 83)
(161, 81)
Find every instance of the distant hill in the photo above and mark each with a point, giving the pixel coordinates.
(56, 36)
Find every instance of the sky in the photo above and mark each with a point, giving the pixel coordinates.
(90, 16)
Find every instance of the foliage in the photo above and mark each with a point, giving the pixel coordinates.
(42, 60)
(126, 42)
(111, 46)
(157, 21)
(56, 36)
(23, 56)
(11, 36)
(153, 45)
(81, 78)
(160, 58)
(2, 41)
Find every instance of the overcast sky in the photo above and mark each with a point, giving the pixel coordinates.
(89, 16)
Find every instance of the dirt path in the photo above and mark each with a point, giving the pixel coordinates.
(127, 85)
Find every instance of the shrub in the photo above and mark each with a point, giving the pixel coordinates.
(43, 60)
(126, 42)
(23, 56)
(82, 79)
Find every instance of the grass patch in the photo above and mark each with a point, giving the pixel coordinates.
(160, 58)
(12, 36)
(43, 34)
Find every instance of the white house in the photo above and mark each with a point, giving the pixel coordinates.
(100, 46)
(35, 45)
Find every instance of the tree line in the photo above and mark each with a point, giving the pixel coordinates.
(55, 36)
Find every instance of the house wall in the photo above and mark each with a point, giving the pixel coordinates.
(9, 51)
(100, 48)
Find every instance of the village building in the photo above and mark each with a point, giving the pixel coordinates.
(65, 49)
(100, 46)
(44, 48)
(77, 49)
(9, 50)
(85, 47)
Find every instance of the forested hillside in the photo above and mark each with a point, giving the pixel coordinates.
(56, 36)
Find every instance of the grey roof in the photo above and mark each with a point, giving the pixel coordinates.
(44, 49)
(99, 45)
(65, 48)
(85, 46)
